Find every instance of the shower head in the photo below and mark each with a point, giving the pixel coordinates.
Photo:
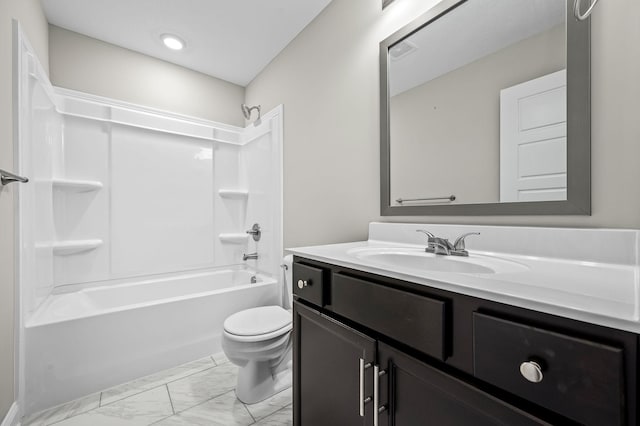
(246, 111)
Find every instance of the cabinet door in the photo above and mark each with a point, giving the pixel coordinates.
(414, 393)
(327, 371)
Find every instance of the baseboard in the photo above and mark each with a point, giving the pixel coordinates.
(11, 419)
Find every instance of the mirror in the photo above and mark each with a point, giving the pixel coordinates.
(485, 110)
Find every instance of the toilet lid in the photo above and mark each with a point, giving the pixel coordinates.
(255, 321)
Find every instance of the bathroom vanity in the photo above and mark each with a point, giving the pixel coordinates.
(380, 341)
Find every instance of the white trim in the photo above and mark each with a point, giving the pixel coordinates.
(77, 104)
(88, 97)
(12, 418)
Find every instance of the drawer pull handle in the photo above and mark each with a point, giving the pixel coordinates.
(363, 400)
(377, 408)
(303, 283)
(531, 371)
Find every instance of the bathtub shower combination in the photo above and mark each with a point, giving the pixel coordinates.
(132, 235)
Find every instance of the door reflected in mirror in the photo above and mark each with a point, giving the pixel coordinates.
(474, 108)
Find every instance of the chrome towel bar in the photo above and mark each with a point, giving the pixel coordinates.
(404, 200)
(7, 177)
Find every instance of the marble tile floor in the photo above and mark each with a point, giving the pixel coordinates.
(193, 394)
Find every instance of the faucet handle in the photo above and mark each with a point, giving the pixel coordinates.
(427, 233)
(459, 243)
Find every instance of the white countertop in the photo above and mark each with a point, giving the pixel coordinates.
(574, 282)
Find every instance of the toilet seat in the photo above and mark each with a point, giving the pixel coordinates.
(258, 324)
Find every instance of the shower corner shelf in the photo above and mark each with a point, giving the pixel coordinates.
(68, 247)
(233, 193)
(234, 238)
(76, 185)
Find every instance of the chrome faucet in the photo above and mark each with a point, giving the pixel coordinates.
(443, 246)
(249, 256)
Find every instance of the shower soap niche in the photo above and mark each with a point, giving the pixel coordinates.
(74, 185)
(234, 238)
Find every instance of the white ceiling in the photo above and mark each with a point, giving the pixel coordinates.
(229, 39)
(473, 30)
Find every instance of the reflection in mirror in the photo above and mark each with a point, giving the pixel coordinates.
(478, 105)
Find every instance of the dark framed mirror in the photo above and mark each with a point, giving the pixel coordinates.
(485, 110)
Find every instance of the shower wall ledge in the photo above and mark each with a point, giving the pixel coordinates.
(233, 193)
(83, 105)
(76, 185)
(234, 238)
(69, 247)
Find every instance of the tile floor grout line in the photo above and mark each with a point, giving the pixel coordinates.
(153, 387)
(209, 399)
(100, 402)
(133, 394)
(249, 411)
(197, 405)
(275, 412)
(49, 411)
(170, 400)
(189, 375)
(73, 415)
(102, 399)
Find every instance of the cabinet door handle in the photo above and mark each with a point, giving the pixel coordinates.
(362, 399)
(377, 408)
(303, 283)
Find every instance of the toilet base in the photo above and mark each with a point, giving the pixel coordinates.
(258, 381)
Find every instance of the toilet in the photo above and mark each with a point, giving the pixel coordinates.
(258, 340)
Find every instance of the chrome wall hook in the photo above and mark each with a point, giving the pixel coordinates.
(577, 5)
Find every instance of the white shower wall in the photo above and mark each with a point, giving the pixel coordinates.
(156, 198)
(41, 126)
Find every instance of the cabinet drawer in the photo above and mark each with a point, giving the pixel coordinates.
(308, 283)
(580, 379)
(411, 319)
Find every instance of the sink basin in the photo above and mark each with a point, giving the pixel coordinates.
(419, 259)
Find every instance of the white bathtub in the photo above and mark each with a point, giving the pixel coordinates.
(91, 339)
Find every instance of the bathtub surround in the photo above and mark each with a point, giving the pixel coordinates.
(162, 399)
(104, 349)
(135, 216)
(334, 63)
(30, 14)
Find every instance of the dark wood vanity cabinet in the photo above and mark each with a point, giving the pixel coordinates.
(422, 356)
(328, 360)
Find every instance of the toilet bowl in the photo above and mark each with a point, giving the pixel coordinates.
(258, 341)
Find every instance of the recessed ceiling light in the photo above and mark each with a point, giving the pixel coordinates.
(173, 42)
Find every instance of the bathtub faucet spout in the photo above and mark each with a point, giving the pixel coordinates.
(246, 257)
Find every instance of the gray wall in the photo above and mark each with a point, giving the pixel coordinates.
(31, 16)
(450, 126)
(83, 63)
(327, 78)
